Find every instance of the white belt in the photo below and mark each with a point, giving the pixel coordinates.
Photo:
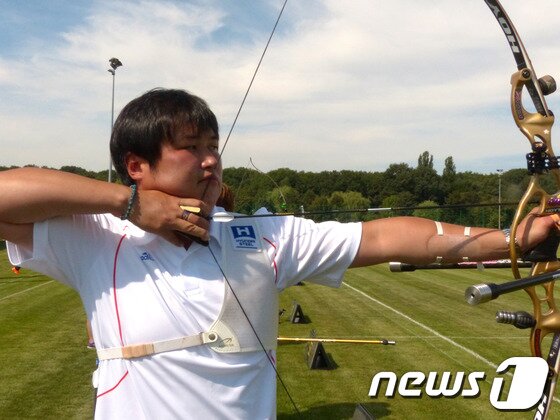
(141, 350)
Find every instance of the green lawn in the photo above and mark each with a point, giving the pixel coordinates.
(441, 333)
(45, 367)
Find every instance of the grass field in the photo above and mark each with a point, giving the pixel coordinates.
(45, 367)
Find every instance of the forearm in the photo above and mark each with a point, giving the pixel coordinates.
(32, 194)
(458, 243)
(417, 241)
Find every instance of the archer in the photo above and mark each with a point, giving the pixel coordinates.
(184, 309)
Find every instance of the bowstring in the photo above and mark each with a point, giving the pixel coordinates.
(277, 373)
(204, 193)
(253, 78)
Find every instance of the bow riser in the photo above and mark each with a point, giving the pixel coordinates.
(534, 192)
(545, 313)
(535, 126)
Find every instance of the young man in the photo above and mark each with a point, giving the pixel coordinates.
(171, 337)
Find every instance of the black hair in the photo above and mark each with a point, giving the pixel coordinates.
(151, 120)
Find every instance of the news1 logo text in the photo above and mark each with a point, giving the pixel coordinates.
(525, 386)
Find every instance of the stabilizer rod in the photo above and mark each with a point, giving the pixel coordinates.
(485, 292)
(398, 267)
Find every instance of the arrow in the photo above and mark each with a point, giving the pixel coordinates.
(337, 340)
(225, 217)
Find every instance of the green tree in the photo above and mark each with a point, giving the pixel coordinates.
(398, 178)
(448, 176)
(403, 199)
(349, 200)
(428, 213)
(449, 169)
(284, 198)
(319, 204)
(426, 160)
(427, 185)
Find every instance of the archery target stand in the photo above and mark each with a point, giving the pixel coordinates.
(297, 315)
(316, 355)
(361, 413)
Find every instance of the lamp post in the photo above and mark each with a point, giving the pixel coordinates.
(499, 197)
(114, 63)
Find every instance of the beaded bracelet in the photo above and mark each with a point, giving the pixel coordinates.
(131, 199)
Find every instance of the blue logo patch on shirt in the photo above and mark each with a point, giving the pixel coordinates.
(146, 256)
(244, 237)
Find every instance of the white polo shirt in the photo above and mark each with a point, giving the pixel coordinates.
(158, 291)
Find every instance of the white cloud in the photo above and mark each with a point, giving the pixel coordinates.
(344, 85)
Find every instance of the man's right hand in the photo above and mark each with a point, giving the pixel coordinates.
(161, 214)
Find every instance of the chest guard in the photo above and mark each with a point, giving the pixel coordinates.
(251, 282)
(248, 319)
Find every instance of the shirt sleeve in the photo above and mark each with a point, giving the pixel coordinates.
(64, 246)
(303, 250)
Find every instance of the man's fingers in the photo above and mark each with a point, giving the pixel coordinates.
(187, 237)
(189, 220)
(193, 225)
(194, 228)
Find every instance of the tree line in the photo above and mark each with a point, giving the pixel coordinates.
(400, 185)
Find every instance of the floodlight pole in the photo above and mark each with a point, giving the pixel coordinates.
(114, 63)
(499, 197)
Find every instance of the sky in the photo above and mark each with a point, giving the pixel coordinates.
(354, 84)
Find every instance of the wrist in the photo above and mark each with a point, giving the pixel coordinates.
(120, 197)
